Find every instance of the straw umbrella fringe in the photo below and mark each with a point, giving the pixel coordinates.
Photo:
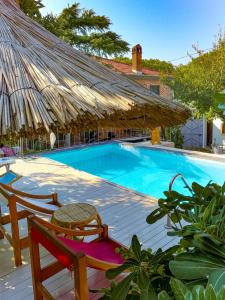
(46, 85)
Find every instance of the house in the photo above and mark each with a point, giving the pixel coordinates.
(146, 77)
(197, 133)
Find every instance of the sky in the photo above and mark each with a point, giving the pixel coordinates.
(166, 29)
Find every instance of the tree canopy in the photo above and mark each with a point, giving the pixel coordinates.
(31, 7)
(81, 28)
(198, 82)
(153, 64)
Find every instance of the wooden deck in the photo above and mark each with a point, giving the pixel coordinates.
(119, 208)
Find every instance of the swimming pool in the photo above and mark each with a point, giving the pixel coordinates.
(144, 170)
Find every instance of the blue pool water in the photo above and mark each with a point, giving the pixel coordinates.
(144, 170)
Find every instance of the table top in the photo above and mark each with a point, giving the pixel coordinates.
(74, 214)
(6, 161)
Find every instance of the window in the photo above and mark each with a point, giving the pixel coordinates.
(155, 89)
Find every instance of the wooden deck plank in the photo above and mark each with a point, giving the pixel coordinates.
(125, 212)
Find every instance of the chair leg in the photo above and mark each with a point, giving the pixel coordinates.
(15, 233)
(80, 277)
(1, 234)
(36, 270)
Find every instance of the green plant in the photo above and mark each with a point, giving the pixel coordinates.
(174, 134)
(203, 209)
(198, 292)
(149, 273)
(203, 235)
(198, 261)
(198, 83)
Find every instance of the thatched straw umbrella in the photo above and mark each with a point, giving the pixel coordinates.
(47, 85)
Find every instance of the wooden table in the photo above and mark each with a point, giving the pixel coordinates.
(76, 215)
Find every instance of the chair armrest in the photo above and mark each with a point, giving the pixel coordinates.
(70, 232)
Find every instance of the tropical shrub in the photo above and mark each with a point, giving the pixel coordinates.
(177, 137)
(195, 268)
(182, 292)
(174, 134)
(202, 235)
(150, 273)
(204, 209)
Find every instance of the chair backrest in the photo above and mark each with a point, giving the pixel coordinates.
(29, 202)
(9, 177)
(5, 193)
(41, 235)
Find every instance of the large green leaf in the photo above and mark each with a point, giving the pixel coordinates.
(199, 258)
(217, 279)
(113, 273)
(148, 293)
(198, 293)
(197, 282)
(163, 296)
(178, 288)
(142, 279)
(156, 215)
(207, 245)
(191, 266)
(188, 296)
(120, 291)
(221, 295)
(210, 293)
(136, 247)
(197, 188)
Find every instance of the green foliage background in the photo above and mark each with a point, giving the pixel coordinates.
(198, 83)
(81, 28)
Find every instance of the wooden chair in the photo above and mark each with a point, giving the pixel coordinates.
(76, 255)
(30, 204)
(9, 177)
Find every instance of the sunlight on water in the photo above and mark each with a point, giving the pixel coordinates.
(144, 170)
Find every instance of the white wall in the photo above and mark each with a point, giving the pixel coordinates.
(217, 137)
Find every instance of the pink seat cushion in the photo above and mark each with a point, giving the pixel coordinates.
(104, 250)
(7, 151)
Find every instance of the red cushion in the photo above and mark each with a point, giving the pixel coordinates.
(103, 250)
(38, 237)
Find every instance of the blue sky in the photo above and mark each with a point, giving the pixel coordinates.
(166, 29)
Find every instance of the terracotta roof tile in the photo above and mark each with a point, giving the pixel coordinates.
(124, 68)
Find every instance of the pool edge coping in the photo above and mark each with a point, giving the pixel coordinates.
(151, 198)
(197, 154)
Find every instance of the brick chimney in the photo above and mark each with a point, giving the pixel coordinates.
(137, 59)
